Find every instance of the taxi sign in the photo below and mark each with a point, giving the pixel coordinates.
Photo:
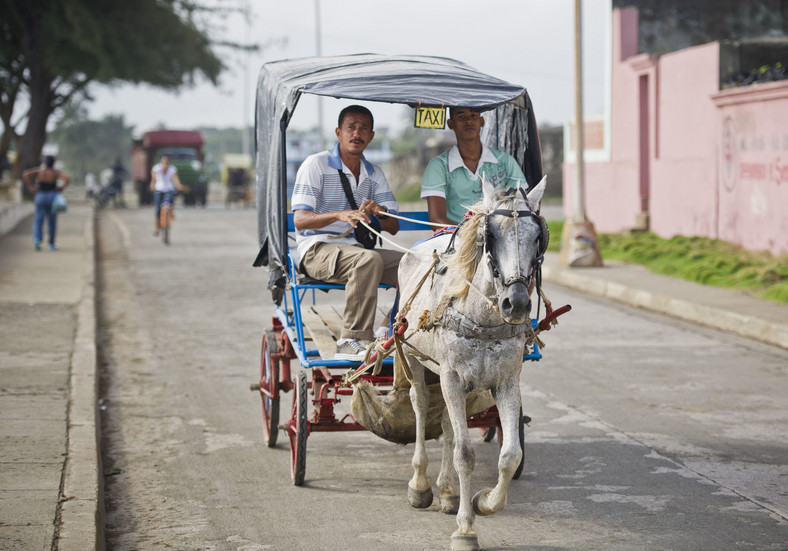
(431, 117)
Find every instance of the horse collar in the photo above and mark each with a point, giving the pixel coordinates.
(454, 320)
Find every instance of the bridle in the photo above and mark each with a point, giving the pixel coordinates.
(484, 237)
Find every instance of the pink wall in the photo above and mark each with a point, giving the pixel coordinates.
(611, 200)
(674, 138)
(684, 175)
(752, 132)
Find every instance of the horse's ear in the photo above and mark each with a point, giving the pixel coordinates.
(535, 195)
(488, 191)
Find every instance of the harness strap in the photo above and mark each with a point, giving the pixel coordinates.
(454, 320)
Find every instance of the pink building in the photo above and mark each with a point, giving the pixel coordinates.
(678, 155)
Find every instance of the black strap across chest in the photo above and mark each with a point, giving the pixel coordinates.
(346, 188)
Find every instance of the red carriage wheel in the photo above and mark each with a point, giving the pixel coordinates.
(298, 429)
(488, 434)
(521, 435)
(269, 388)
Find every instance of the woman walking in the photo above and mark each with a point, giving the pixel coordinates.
(42, 183)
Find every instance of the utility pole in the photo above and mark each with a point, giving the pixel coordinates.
(579, 245)
(319, 52)
(245, 126)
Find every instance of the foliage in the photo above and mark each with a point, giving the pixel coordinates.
(697, 259)
(556, 228)
(51, 51)
(670, 25)
(90, 146)
(218, 142)
(409, 194)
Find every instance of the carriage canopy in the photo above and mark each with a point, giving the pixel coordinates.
(411, 80)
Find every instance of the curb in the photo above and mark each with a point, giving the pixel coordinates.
(12, 214)
(742, 325)
(82, 503)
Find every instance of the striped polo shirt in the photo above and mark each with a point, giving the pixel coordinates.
(318, 188)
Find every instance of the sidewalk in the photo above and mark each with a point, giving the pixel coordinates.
(50, 478)
(725, 309)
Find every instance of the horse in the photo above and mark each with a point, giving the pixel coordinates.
(475, 309)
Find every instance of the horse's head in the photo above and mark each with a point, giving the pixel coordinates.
(509, 239)
(516, 239)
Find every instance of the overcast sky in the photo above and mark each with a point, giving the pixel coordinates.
(526, 42)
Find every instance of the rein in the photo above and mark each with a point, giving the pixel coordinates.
(446, 314)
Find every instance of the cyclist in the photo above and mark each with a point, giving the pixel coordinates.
(164, 182)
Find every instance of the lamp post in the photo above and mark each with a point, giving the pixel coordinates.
(579, 245)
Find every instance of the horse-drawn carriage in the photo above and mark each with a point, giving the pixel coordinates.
(457, 311)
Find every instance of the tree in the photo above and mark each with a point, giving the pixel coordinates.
(86, 145)
(51, 50)
(670, 25)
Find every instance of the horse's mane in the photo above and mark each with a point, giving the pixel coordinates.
(462, 264)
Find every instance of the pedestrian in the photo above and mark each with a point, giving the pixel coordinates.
(334, 191)
(118, 174)
(91, 186)
(42, 183)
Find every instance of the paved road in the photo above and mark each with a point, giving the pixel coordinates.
(647, 433)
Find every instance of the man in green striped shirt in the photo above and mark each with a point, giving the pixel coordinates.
(453, 179)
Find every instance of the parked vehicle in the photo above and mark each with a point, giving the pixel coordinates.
(185, 150)
(237, 174)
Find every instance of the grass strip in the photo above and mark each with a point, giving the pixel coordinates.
(707, 261)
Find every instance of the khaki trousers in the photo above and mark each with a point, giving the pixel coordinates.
(360, 270)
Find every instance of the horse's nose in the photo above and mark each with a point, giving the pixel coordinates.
(515, 304)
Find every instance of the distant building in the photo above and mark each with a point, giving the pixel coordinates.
(551, 138)
(685, 149)
(298, 147)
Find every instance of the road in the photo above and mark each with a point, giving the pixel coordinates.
(647, 433)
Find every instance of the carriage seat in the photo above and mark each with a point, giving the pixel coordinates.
(303, 280)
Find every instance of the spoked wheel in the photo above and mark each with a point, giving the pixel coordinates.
(269, 389)
(520, 434)
(298, 429)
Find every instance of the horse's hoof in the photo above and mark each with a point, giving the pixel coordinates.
(464, 542)
(449, 504)
(477, 508)
(419, 500)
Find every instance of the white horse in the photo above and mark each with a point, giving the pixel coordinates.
(474, 320)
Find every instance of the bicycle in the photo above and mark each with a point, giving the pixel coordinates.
(166, 217)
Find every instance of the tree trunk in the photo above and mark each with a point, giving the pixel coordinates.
(41, 105)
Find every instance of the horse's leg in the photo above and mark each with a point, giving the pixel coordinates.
(464, 538)
(507, 398)
(449, 498)
(419, 487)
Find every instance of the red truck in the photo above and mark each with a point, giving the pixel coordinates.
(185, 150)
